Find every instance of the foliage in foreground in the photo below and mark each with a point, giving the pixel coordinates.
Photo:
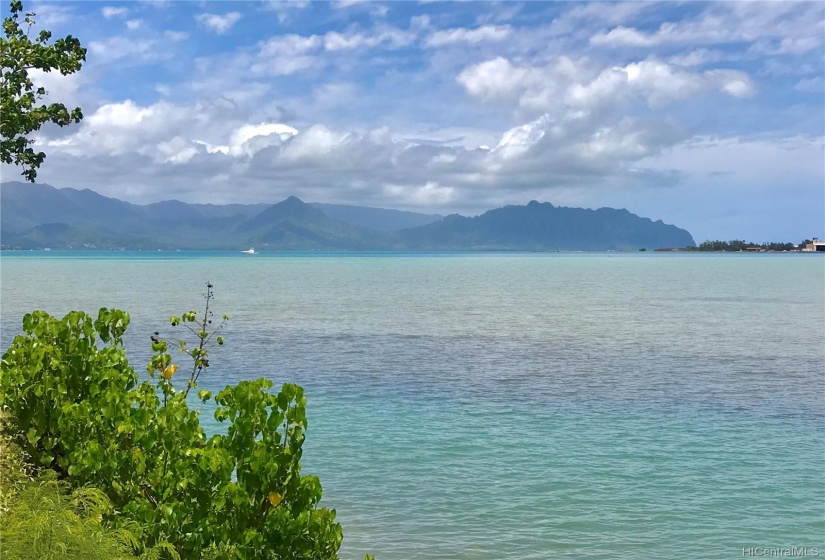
(43, 520)
(23, 113)
(80, 410)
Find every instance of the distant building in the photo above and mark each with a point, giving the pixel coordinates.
(816, 246)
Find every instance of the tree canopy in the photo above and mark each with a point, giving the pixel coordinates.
(24, 109)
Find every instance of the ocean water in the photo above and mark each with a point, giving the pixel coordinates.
(524, 406)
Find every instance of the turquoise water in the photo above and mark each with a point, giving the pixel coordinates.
(495, 406)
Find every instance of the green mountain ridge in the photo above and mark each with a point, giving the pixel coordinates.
(34, 216)
(544, 227)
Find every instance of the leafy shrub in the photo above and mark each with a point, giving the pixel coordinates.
(76, 406)
(46, 521)
(43, 519)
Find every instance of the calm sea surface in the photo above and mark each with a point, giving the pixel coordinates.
(512, 406)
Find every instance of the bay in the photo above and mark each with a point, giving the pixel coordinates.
(485, 406)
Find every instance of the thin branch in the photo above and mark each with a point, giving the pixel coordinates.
(191, 329)
(215, 331)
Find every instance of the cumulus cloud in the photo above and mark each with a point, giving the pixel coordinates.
(121, 128)
(219, 23)
(566, 85)
(496, 79)
(182, 144)
(59, 88)
(248, 139)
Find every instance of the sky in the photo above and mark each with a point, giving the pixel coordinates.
(709, 116)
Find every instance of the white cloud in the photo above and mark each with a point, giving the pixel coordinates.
(797, 45)
(565, 85)
(811, 85)
(391, 38)
(110, 12)
(118, 128)
(494, 79)
(336, 95)
(59, 88)
(699, 57)
(628, 36)
(605, 12)
(379, 10)
(115, 48)
(316, 143)
(251, 138)
(148, 48)
(431, 194)
(340, 4)
(660, 82)
(772, 27)
(461, 35)
(218, 23)
(121, 115)
(169, 133)
(420, 22)
(133, 24)
(175, 151)
(517, 141)
(749, 161)
(176, 35)
(375, 9)
(285, 9)
(159, 4)
(51, 16)
(732, 82)
(287, 54)
(203, 141)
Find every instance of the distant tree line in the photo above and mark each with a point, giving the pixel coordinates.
(742, 245)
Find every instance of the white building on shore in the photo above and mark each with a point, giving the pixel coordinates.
(815, 246)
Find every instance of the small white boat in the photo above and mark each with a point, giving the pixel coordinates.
(250, 251)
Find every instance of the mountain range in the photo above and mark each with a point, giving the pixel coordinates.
(34, 216)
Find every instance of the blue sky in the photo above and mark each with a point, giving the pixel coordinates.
(710, 116)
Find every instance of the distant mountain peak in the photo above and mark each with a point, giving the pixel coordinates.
(295, 204)
(292, 208)
(292, 201)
